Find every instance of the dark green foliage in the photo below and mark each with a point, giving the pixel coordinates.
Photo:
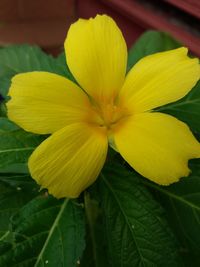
(182, 203)
(149, 43)
(16, 145)
(46, 231)
(136, 230)
(186, 109)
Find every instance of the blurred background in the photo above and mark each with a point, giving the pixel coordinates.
(45, 22)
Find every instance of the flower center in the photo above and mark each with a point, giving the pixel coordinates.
(108, 114)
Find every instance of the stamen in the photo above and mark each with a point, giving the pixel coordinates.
(108, 114)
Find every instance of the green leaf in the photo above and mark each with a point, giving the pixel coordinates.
(136, 229)
(96, 245)
(2, 107)
(24, 58)
(47, 232)
(19, 181)
(187, 109)
(182, 203)
(16, 145)
(12, 198)
(149, 43)
(7, 126)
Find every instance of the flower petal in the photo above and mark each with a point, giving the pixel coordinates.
(158, 146)
(97, 55)
(70, 160)
(160, 79)
(43, 102)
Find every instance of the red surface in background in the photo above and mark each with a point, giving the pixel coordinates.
(45, 23)
(190, 6)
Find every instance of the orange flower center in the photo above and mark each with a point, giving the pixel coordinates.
(107, 114)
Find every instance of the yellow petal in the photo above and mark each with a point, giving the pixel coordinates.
(160, 79)
(158, 146)
(97, 55)
(43, 102)
(70, 160)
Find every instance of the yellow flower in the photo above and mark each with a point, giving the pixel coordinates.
(107, 107)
